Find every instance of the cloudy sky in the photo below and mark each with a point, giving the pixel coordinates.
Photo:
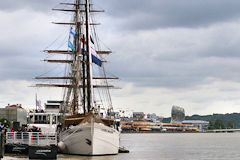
(166, 52)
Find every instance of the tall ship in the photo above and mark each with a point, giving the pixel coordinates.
(87, 125)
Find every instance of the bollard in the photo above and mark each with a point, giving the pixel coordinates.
(1, 145)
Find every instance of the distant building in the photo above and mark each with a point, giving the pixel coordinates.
(178, 115)
(14, 113)
(138, 116)
(201, 125)
(125, 113)
(154, 118)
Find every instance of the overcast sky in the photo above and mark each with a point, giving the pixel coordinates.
(166, 53)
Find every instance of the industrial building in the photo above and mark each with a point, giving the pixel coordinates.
(14, 114)
(201, 125)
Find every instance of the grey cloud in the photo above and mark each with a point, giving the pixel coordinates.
(26, 68)
(150, 14)
(187, 61)
(177, 74)
(171, 44)
(144, 59)
(37, 5)
(18, 68)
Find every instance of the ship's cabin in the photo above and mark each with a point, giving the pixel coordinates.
(51, 115)
(44, 118)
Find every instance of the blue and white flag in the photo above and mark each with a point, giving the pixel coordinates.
(72, 32)
(71, 39)
(70, 45)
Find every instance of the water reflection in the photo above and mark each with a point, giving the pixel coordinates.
(73, 157)
(63, 157)
(192, 146)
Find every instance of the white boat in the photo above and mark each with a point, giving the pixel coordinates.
(47, 119)
(87, 131)
(90, 138)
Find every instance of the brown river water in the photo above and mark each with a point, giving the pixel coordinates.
(167, 146)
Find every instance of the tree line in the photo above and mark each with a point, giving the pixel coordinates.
(216, 121)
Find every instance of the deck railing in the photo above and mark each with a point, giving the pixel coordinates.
(31, 138)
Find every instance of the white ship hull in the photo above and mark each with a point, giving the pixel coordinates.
(90, 139)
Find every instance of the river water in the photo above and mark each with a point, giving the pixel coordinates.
(167, 146)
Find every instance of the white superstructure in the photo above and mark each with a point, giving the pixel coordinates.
(47, 119)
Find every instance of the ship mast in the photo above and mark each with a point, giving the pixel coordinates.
(80, 80)
(84, 77)
(77, 59)
(89, 61)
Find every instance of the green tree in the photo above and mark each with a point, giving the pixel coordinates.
(230, 124)
(218, 124)
(211, 126)
(4, 122)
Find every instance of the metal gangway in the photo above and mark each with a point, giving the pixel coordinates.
(32, 138)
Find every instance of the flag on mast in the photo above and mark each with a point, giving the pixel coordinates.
(95, 57)
(38, 103)
(71, 39)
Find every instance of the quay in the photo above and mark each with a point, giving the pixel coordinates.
(38, 145)
(223, 130)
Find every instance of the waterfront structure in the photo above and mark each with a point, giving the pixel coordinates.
(140, 126)
(156, 127)
(201, 125)
(178, 127)
(178, 115)
(154, 118)
(138, 116)
(14, 114)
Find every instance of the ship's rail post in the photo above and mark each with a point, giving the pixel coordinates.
(14, 136)
(30, 139)
(38, 138)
